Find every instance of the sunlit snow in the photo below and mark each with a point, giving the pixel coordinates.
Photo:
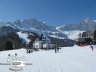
(68, 59)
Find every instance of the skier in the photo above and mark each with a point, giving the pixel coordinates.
(91, 47)
(29, 51)
(15, 54)
(9, 55)
(58, 49)
(55, 50)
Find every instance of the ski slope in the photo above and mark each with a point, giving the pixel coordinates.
(73, 35)
(68, 59)
(24, 36)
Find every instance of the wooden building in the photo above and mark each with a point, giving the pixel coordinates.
(86, 38)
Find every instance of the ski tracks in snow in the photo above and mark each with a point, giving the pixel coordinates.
(69, 59)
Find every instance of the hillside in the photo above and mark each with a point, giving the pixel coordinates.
(64, 35)
(72, 30)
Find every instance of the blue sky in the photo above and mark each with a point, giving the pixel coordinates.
(54, 12)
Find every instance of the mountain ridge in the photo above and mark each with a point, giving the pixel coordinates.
(61, 32)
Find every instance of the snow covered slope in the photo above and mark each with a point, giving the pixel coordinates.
(73, 35)
(57, 35)
(94, 20)
(24, 36)
(72, 30)
(69, 59)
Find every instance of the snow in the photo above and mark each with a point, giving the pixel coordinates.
(44, 22)
(24, 36)
(54, 36)
(94, 20)
(73, 35)
(68, 59)
(57, 35)
(58, 28)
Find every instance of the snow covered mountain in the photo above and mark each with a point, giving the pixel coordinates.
(37, 26)
(88, 24)
(82, 25)
(32, 24)
(69, 31)
(73, 35)
(30, 29)
(69, 27)
(72, 30)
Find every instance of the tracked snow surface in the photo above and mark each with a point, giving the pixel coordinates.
(68, 59)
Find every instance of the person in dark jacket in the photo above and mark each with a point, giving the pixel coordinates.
(91, 47)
